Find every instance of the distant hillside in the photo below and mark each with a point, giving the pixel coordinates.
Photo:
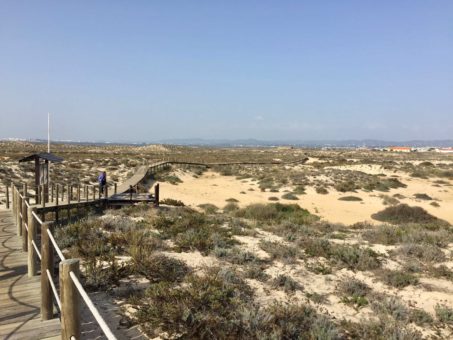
(352, 143)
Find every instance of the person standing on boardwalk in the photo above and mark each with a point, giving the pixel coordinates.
(102, 179)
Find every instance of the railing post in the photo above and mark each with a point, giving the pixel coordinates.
(12, 197)
(130, 192)
(7, 196)
(46, 265)
(13, 201)
(70, 304)
(19, 213)
(86, 193)
(32, 227)
(52, 188)
(24, 220)
(69, 202)
(36, 194)
(115, 189)
(56, 202)
(43, 198)
(156, 195)
(94, 193)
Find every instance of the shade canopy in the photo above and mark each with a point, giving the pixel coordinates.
(44, 155)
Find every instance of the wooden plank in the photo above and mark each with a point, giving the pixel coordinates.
(20, 299)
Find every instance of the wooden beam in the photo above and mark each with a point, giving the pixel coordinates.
(32, 228)
(70, 301)
(46, 265)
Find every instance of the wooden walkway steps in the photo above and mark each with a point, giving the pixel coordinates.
(19, 295)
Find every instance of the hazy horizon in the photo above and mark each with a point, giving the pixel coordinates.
(146, 71)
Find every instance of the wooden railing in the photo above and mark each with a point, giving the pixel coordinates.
(71, 290)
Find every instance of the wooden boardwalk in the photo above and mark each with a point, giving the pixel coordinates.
(20, 295)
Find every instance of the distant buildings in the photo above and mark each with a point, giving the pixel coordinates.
(417, 149)
(400, 149)
(444, 150)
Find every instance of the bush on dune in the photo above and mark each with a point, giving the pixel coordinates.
(276, 212)
(404, 213)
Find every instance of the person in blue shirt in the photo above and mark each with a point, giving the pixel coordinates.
(102, 179)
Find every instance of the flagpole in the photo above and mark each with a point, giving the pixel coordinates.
(48, 132)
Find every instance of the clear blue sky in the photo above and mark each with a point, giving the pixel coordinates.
(146, 70)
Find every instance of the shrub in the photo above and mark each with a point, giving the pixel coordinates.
(256, 272)
(276, 212)
(322, 190)
(346, 186)
(420, 317)
(287, 283)
(157, 268)
(208, 208)
(280, 251)
(398, 279)
(230, 207)
(316, 247)
(354, 292)
(389, 200)
(171, 201)
(273, 198)
(423, 252)
(403, 213)
(423, 197)
(391, 306)
(381, 329)
(350, 198)
(384, 234)
(444, 313)
(193, 230)
(299, 190)
(203, 306)
(97, 275)
(355, 258)
(232, 200)
(290, 196)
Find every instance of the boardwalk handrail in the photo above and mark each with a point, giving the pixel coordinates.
(19, 206)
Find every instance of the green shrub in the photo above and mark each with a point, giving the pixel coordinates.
(276, 212)
(423, 252)
(286, 283)
(444, 313)
(420, 317)
(403, 213)
(290, 196)
(205, 306)
(398, 278)
(392, 306)
(280, 251)
(355, 258)
(350, 198)
(354, 292)
(423, 197)
(192, 230)
(157, 268)
(230, 207)
(171, 201)
(322, 190)
(208, 208)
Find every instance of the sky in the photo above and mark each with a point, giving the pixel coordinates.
(271, 70)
